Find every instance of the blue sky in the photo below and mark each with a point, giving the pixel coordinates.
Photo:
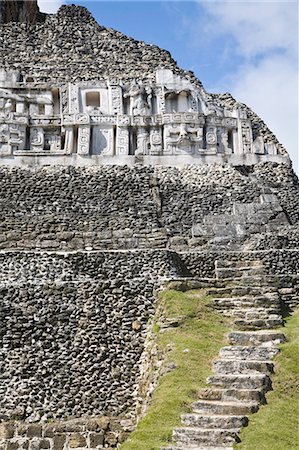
(247, 48)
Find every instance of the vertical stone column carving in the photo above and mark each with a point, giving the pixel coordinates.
(69, 140)
(83, 140)
(142, 141)
(161, 100)
(246, 136)
(211, 138)
(73, 99)
(193, 102)
(64, 99)
(122, 135)
(116, 97)
(83, 134)
(5, 147)
(122, 140)
(156, 141)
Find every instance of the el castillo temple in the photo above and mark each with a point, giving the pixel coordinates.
(124, 182)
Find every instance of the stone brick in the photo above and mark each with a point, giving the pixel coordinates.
(34, 430)
(6, 430)
(59, 441)
(44, 444)
(77, 440)
(98, 423)
(111, 438)
(96, 439)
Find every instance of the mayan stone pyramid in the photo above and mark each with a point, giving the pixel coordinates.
(120, 174)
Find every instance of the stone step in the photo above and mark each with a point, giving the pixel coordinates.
(226, 263)
(270, 301)
(202, 436)
(260, 281)
(241, 291)
(240, 272)
(248, 353)
(253, 313)
(229, 366)
(265, 338)
(258, 324)
(224, 407)
(241, 381)
(214, 421)
(233, 395)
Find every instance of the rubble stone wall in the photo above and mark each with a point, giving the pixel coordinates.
(48, 267)
(72, 349)
(275, 262)
(124, 208)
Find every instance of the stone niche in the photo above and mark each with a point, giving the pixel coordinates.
(168, 118)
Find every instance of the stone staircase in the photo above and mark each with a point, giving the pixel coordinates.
(241, 373)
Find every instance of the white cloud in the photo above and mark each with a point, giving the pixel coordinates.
(265, 48)
(256, 26)
(49, 6)
(270, 88)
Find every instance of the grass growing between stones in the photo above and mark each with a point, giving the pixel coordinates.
(190, 348)
(276, 426)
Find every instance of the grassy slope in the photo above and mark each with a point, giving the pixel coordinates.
(203, 334)
(276, 425)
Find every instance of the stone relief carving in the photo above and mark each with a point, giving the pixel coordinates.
(183, 137)
(116, 99)
(5, 148)
(142, 142)
(83, 140)
(156, 141)
(211, 135)
(246, 136)
(37, 138)
(122, 145)
(134, 110)
(139, 103)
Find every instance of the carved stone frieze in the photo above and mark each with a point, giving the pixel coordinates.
(143, 141)
(110, 117)
(37, 138)
(246, 135)
(116, 96)
(73, 99)
(83, 140)
(122, 143)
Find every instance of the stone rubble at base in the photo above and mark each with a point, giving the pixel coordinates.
(168, 118)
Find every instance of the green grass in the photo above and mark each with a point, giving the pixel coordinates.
(203, 334)
(276, 425)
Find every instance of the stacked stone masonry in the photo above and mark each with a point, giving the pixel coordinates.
(189, 208)
(70, 318)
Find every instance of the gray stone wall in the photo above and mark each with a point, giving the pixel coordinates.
(124, 208)
(72, 349)
(85, 433)
(275, 262)
(48, 267)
